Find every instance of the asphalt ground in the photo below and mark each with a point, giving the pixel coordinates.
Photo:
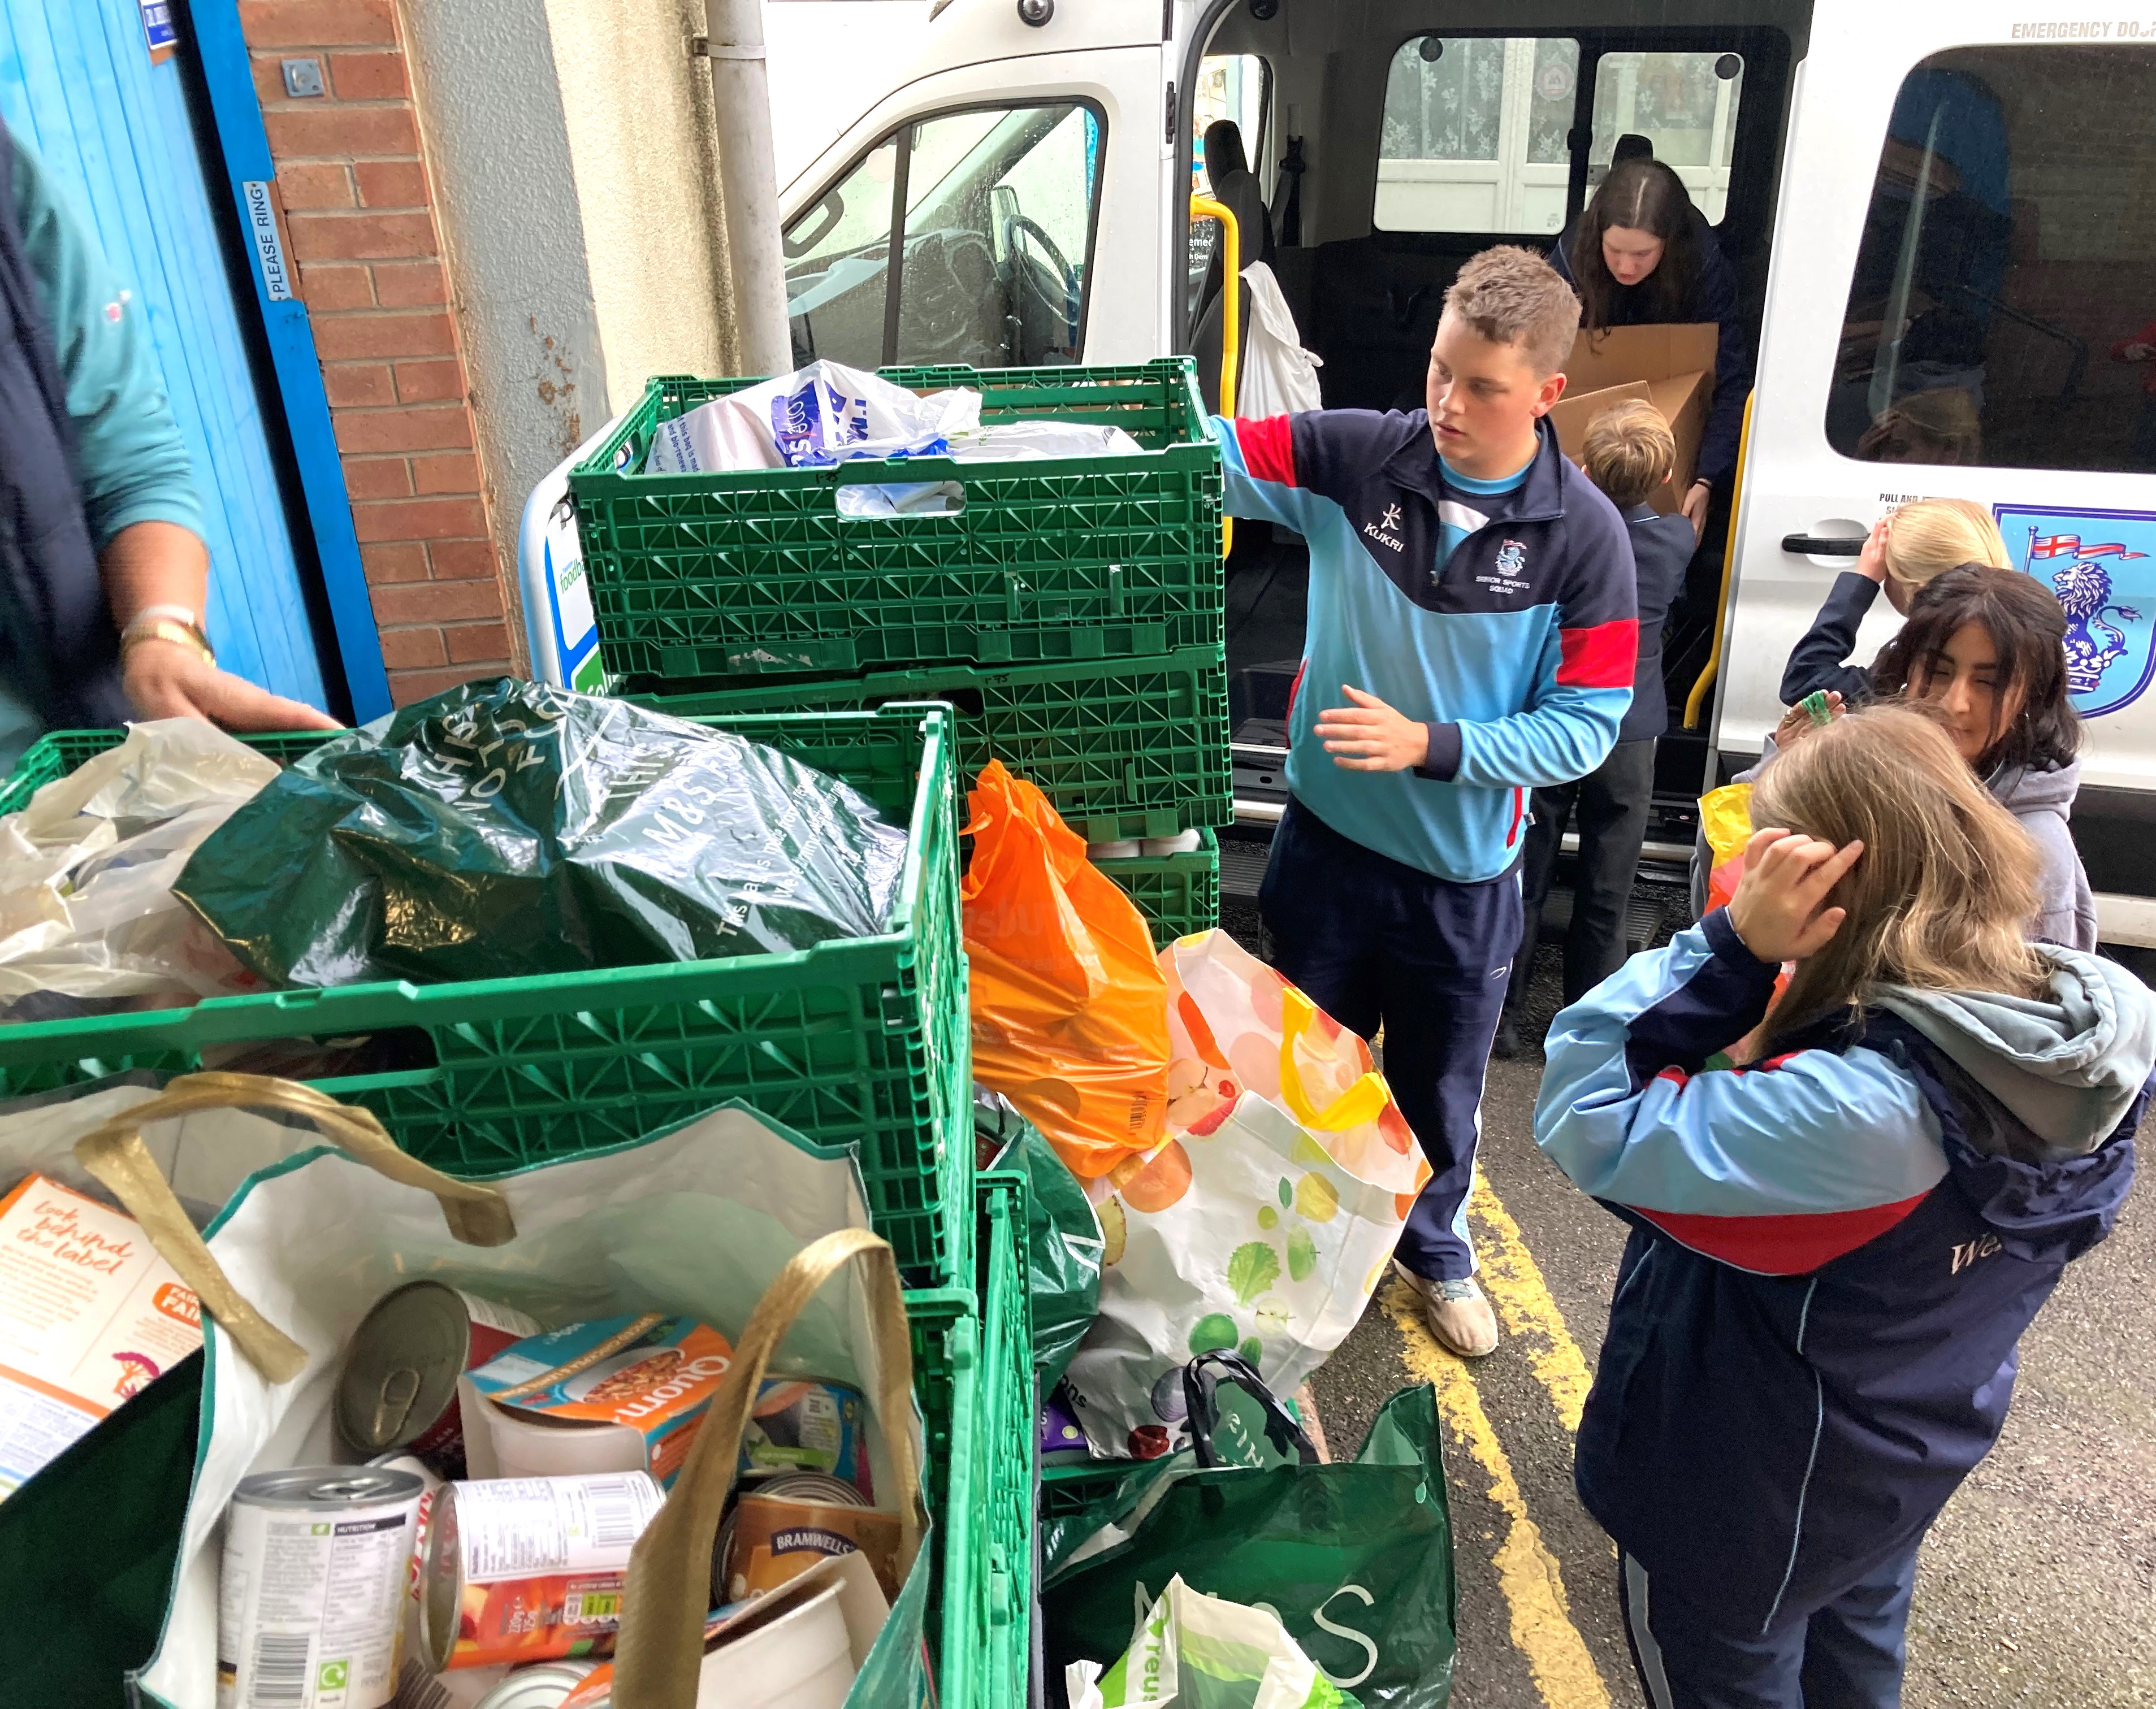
(2036, 1588)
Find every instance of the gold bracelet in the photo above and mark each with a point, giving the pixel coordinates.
(163, 628)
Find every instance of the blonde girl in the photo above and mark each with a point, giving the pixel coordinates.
(1835, 1251)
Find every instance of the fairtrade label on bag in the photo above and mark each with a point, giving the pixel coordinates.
(1266, 1219)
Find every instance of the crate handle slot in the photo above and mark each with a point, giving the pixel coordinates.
(898, 490)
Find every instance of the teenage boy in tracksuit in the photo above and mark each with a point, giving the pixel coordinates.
(1471, 637)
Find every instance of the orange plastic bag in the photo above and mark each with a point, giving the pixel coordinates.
(1069, 1009)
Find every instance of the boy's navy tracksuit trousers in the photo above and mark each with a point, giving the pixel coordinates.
(1371, 940)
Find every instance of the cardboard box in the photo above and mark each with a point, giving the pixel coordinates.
(1671, 367)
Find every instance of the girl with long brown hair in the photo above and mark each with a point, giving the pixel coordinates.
(1834, 1252)
(1643, 255)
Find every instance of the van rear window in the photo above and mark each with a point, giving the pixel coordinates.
(2003, 307)
(1479, 130)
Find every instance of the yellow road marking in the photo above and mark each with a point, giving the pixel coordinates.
(1540, 1612)
(1514, 1283)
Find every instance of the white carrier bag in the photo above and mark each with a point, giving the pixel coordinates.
(1276, 376)
(695, 1221)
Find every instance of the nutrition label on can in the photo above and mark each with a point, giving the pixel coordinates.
(516, 1527)
(489, 1314)
(310, 1607)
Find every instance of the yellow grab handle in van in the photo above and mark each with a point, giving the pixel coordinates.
(1697, 698)
(1231, 293)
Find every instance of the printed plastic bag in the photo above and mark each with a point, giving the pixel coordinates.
(1264, 1222)
(815, 417)
(1201, 1652)
(1725, 821)
(1068, 1010)
(1357, 1556)
(506, 828)
(1725, 826)
(1062, 1235)
(1011, 441)
(86, 870)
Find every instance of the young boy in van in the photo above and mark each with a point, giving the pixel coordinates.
(1471, 637)
(1627, 451)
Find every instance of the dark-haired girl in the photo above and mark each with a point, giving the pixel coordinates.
(1987, 646)
(1642, 255)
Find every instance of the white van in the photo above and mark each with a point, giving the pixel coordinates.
(1037, 156)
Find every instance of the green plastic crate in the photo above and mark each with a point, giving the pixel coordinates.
(1009, 1434)
(860, 1041)
(1130, 747)
(54, 756)
(947, 1381)
(755, 573)
(1177, 894)
(972, 1371)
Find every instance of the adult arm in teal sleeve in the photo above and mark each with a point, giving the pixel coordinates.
(130, 457)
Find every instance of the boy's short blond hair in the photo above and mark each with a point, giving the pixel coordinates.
(1933, 535)
(1510, 295)
(1627, 451)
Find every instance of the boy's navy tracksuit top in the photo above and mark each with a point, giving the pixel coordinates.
(1517, 646)
(1833, 1253)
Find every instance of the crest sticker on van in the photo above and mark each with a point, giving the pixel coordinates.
(2101, 565)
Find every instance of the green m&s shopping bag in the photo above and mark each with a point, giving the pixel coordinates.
(1356, 1558)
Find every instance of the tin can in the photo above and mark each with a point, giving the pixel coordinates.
(312, 1594)
(418, 1686)
(780, 1527)
(542, 1688)
(808, 1424)
(408, 1648)
(528, 1569)
(399, 1387)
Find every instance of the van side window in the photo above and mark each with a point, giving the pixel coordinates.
(1476, 135)
(2000, 310)
(999, 209)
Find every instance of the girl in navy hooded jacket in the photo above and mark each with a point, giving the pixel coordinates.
(1835, 1250)
(1642, 255)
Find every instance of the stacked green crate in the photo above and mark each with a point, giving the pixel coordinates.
(1178, 894)
(973, 1360)
(1071, 610)
(856, 1041)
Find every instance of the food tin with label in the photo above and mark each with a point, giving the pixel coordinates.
(399, 1387)
(782, 1526)
(528, 1569)
(542, 1687)
(421, 1520)
(808, 1424)
(312, 1593)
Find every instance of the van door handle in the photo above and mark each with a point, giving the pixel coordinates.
(1824, 544)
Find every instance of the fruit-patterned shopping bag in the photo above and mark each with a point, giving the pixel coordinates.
(1267, 1219)
(1725, 822)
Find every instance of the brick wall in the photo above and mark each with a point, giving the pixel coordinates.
(351, 171)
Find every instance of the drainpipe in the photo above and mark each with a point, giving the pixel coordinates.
(749, 184)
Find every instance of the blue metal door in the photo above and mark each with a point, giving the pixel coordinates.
(77, 82)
